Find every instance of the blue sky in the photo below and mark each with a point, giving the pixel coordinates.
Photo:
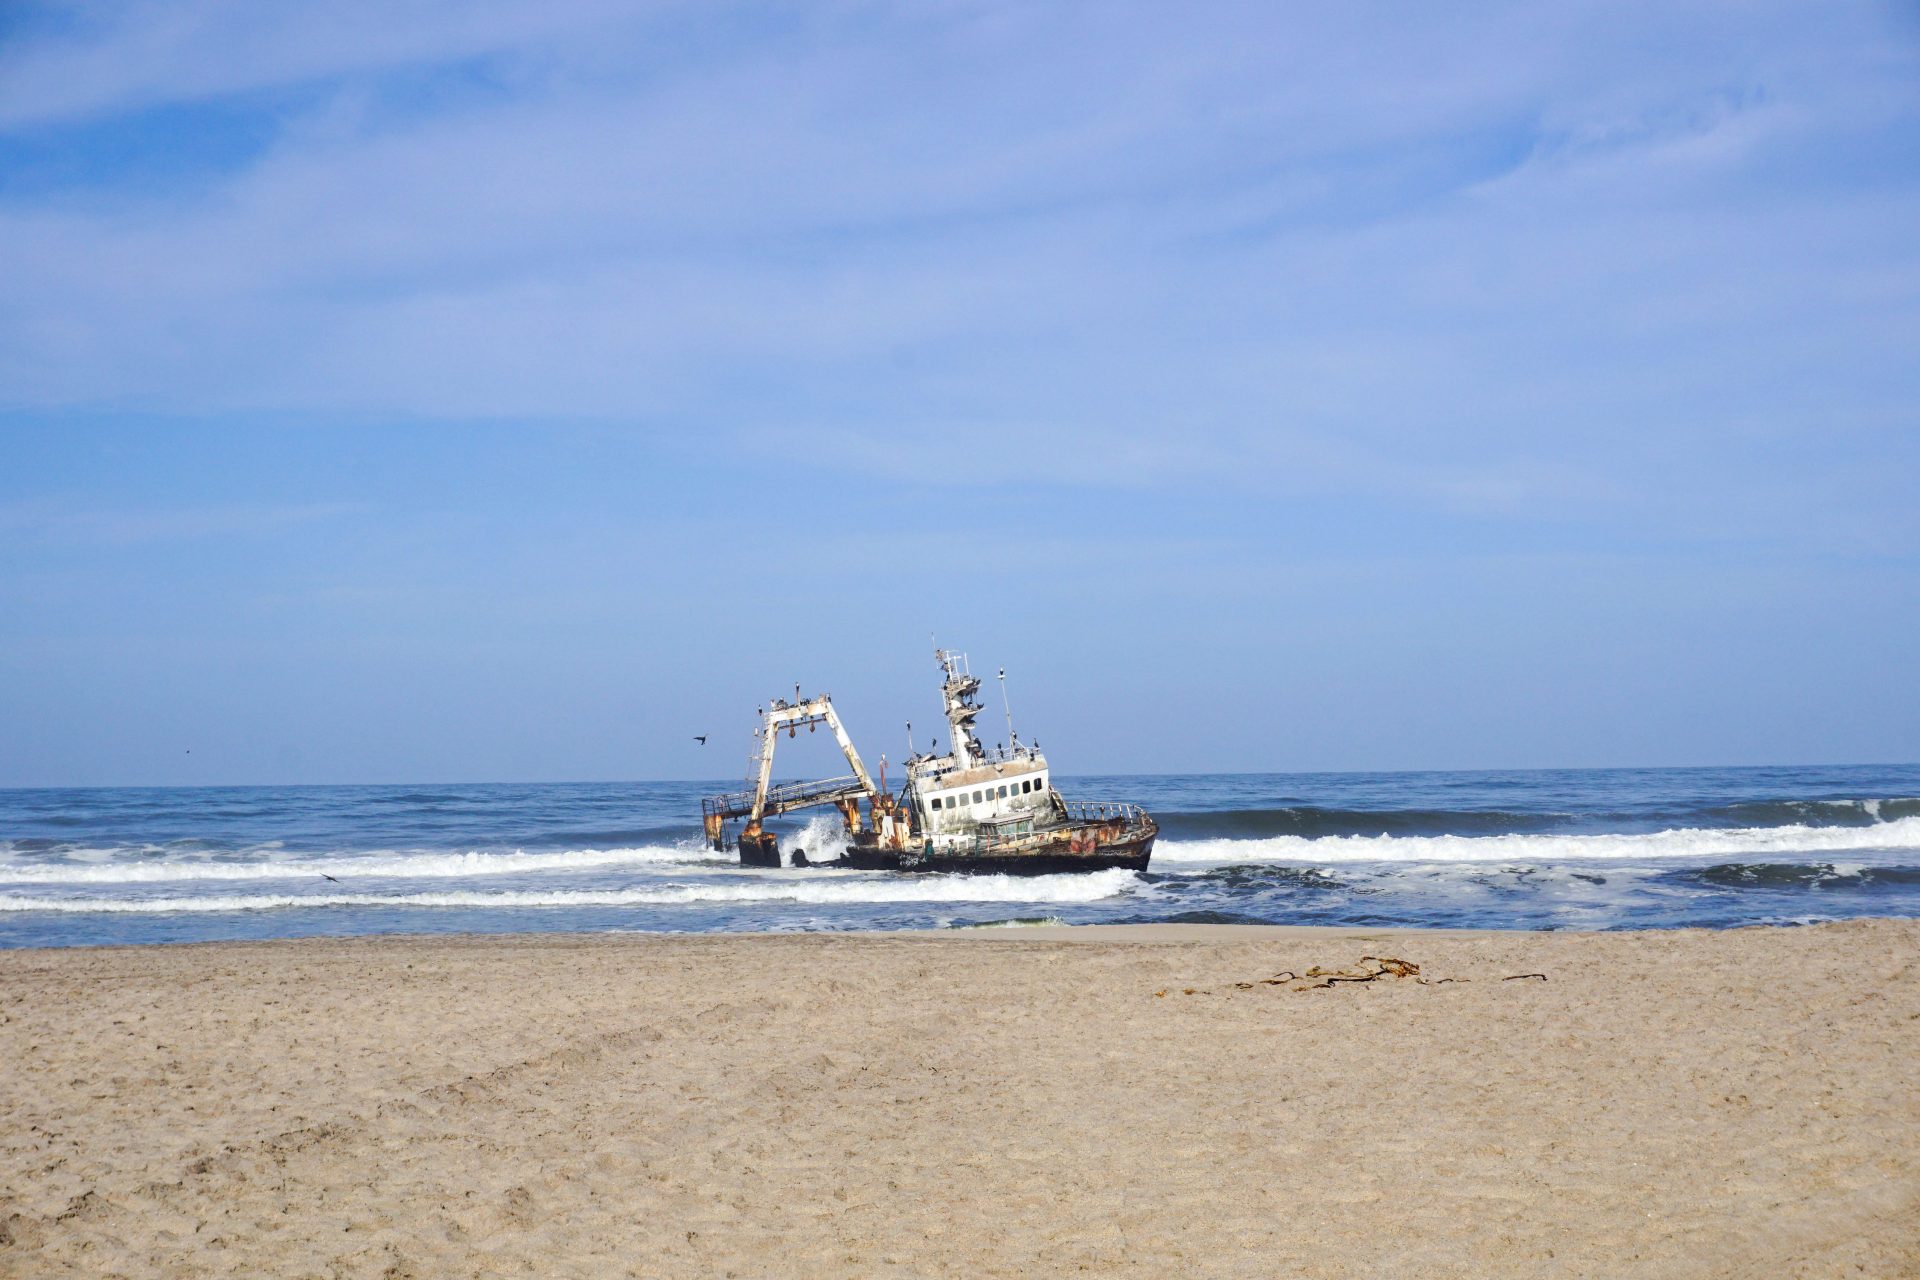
(412, 391)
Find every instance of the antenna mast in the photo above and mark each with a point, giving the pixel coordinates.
(1012, 737)
(958, 690)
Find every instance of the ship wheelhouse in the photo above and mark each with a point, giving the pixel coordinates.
(959, 803)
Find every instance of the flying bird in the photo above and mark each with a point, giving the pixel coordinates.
(325, 876)
(700, 738)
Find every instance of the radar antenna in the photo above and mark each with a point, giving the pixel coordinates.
(1012, 737)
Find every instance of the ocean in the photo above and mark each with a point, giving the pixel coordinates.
(1546, 849)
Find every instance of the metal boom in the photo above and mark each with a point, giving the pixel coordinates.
(766, 800)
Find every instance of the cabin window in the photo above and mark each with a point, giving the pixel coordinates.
(1003, 794)
(936, 802)
(1039, 784)
(976, 797)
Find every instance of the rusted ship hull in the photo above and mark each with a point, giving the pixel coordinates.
(1067, 854)
(760, 850)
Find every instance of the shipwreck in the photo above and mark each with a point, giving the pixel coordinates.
(966, 810)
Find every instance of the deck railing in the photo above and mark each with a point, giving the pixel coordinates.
(1105, 811)
(785, 797)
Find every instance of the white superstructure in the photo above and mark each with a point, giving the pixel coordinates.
(968, 792)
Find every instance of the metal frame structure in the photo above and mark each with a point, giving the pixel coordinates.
(765, 800)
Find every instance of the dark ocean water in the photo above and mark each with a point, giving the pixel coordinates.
(1560, 849)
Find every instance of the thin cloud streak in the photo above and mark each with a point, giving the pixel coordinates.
(50, 522)
(1496, 260)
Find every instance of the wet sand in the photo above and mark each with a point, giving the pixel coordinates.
(1019, 1102)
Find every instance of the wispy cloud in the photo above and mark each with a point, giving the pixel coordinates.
(44, 521)
(1490, 257)
(126, 55)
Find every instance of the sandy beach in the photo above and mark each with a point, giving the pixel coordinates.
(1151, 1101)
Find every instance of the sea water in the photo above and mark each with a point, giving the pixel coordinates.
(1551, 849)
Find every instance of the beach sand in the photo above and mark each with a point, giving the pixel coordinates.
(1017, 1102)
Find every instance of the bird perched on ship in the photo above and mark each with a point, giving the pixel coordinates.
(700, 738)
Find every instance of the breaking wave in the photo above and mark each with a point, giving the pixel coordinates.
(1688, 842)
(1317, 820)
(929, 888)
(384, 866)
(1818, 813)
(1313, 820)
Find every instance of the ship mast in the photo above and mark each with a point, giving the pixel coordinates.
(958, 689)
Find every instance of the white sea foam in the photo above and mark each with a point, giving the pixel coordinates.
(822, 839)
(1742, 842)
(826, 889)
(1037, 922)
(386, 866)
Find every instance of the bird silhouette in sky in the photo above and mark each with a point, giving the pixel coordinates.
(700, 738)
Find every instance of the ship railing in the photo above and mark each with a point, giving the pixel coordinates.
(1131, 815)
(785, 797)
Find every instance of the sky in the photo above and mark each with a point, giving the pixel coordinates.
(412, 391)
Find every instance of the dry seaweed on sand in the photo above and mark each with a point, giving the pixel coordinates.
(1316, 978)
(1369, 969)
